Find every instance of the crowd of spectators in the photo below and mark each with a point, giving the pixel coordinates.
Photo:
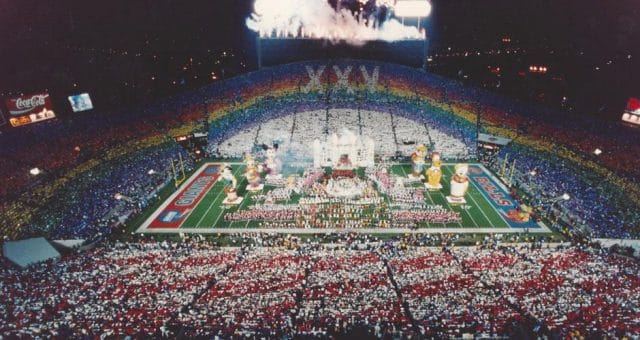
(121, 290)
(567, 290)
(296, 130)
(110, 153)
(257, 297)
(304, 288)
(84, 162)
(95, 200)
(348, 290)
(595, 202)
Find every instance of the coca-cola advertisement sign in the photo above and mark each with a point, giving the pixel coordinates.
(29, 104)
(30, 109)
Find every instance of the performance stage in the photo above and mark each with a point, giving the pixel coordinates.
(294, 204)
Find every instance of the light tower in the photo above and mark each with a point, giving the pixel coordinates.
(415, 9)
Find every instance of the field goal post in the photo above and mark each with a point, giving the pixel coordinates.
(177, 180)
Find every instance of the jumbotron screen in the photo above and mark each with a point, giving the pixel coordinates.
(80, 102)
(632, 112)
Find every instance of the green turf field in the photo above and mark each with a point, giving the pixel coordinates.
(208, 215)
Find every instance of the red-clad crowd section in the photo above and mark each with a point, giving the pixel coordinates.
(195, 290)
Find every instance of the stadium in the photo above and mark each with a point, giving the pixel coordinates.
(341, 188)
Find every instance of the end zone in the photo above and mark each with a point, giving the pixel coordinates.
(175, 210)
(498, 195)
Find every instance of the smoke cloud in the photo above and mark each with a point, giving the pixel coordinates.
(316, 19)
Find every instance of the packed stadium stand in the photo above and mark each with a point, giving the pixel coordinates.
(101, 171)
(88, 159)
(192, 289)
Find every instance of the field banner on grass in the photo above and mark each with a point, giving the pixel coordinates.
(498, 197)
(181, 204)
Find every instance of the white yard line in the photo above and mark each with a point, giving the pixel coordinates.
(246, 225)
(451, 207)
(244, 200)
(488, 198)
(208, 209)
(481, 210)
(214, 203)
(478, 206)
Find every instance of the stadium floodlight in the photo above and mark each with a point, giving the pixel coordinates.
(597, 152)
(563, 197)
(412, 8)
(35, 171)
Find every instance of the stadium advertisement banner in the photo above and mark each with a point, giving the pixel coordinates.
(30, 109)
(632, 112)
(182, 203)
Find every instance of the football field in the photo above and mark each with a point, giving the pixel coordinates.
(197, 205)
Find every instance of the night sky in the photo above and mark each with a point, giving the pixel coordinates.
(599, 25)
(57, 43)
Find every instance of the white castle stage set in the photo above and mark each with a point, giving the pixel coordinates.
(343, 153)
(338, 149)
